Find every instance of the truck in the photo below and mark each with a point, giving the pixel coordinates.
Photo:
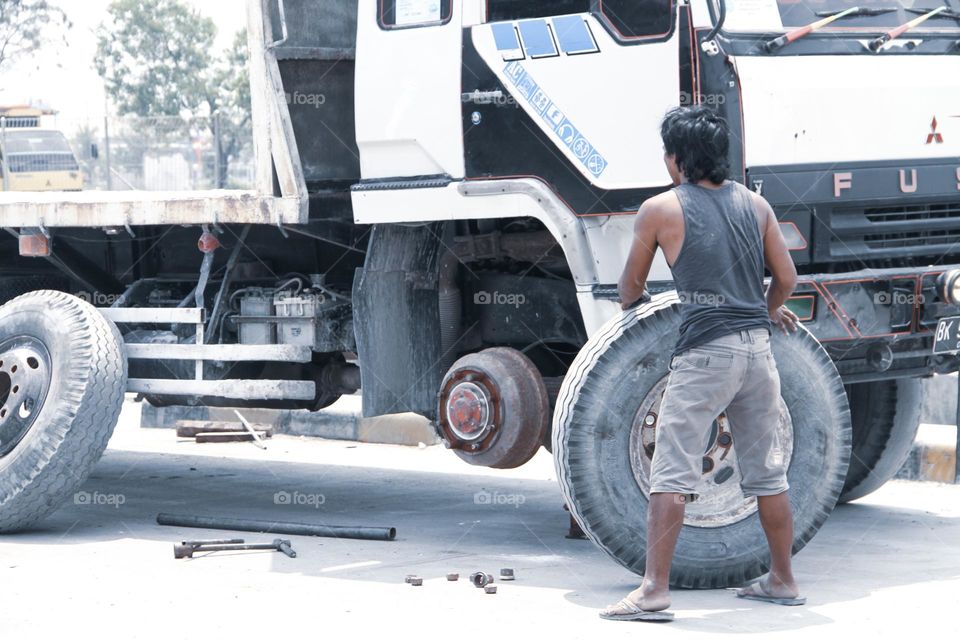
(34, 157)
(444, 202)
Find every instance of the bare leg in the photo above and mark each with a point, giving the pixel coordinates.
(777, 521)
(664, 521)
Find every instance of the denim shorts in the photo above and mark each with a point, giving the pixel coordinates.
(736, 375)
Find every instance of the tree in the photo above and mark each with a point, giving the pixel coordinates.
(156, 58)
(26, 25)
(232, 104)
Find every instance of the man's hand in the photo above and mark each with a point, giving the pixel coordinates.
(785, 319)
(625, 305)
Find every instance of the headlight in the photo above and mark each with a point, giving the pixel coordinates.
(948, 285)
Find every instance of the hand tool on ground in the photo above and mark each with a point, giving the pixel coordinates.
(186, 549)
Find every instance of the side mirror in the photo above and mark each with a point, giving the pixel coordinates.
(94, 151)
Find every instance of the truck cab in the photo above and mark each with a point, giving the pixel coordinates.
(34, 158)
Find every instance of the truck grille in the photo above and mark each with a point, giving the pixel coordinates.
(896, 231)
(37, 162)
(914, 212)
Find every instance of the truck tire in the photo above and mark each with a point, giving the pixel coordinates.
(13, 286)
(62, 380)
(885, 416)
(602, 451)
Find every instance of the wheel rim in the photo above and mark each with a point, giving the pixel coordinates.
(720, 500)
(25, 375)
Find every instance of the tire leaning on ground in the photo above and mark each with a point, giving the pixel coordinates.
(62, 380)
(885, 416)
(603, 431)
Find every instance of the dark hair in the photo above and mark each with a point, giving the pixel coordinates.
(699, 139)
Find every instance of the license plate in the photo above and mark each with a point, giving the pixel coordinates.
(947, 339)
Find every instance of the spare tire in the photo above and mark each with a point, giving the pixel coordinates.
(602, 453)
(885, 416)
(62, 380)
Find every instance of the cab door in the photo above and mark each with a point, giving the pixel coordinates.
(586, 84)
(408, 88)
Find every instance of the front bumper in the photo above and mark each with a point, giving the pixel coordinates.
(877, 323)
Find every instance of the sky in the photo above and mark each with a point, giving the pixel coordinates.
(63, 77)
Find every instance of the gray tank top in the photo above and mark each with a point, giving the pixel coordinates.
(719, 272)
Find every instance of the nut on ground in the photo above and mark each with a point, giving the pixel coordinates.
(481, 579)
(490, 588)
(417, 582)
(453, 577)
(507, 574)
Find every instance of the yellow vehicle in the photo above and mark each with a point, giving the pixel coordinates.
(34, 158)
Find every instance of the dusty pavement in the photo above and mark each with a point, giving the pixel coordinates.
(888, 566)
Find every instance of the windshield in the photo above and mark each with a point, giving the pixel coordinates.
(34, 141)
(780, 15)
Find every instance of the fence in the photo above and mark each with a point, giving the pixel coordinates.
(162, 153)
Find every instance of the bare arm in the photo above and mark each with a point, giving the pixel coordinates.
(633, 282)
(781, 267)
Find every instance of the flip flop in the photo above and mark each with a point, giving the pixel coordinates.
(633, 612)
(761, 595)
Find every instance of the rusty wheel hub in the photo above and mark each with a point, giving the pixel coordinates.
(470, 411)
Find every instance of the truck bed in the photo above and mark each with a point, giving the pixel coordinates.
(136, 208)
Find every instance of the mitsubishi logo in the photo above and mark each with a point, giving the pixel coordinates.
(934, 135)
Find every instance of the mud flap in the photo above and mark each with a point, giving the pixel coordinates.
(397, 320)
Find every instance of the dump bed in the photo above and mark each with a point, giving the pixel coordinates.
(133, 208)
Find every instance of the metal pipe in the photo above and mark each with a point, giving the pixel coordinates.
(4, 168)
(721, 19)
(269, 526)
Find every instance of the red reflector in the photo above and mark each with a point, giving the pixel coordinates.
(34, 246)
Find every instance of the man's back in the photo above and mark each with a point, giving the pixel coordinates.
(719, 268)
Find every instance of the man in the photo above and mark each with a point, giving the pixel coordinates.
(717, 236)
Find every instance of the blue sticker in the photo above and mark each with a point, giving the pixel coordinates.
(537, 39)
(574, 35)
(553, 116)
(508, 42)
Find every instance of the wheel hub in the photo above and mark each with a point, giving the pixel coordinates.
(470, 411)
(25, 375)
(720, 500)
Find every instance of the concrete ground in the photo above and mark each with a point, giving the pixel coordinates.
(888, 566)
